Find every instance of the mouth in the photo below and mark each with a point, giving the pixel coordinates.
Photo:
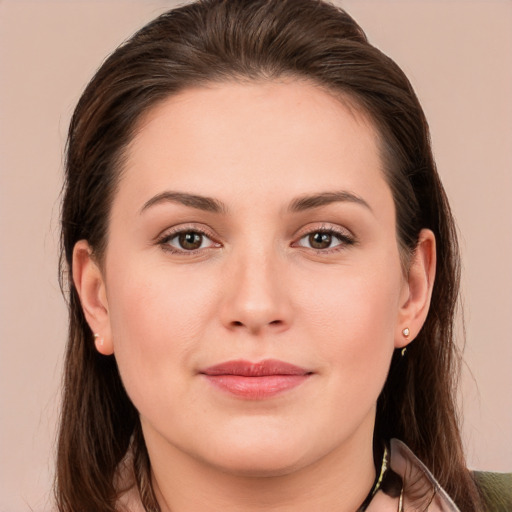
(256, 381)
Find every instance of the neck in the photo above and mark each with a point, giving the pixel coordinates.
(338, 482)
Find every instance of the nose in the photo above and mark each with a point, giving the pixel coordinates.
(256, 297)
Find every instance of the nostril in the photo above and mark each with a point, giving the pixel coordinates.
(237, 323)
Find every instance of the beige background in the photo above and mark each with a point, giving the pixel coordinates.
(458, 54)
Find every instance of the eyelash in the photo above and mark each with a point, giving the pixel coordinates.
(164, 240)
(344, 239)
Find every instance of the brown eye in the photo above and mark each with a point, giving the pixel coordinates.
(187, 241)
(320, 240)
(323, 240)
(190, 240)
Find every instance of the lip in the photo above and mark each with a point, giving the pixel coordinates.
(255, 381)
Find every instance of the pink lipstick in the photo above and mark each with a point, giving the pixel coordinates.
(256, 381)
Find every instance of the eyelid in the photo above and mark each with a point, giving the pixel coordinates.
(174, 231)
(314, 227)
(345, 236)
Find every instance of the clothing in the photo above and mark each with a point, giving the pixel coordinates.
(496, 490)
(418, 490)
(406, 486)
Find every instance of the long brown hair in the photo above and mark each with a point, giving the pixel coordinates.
(214, 41)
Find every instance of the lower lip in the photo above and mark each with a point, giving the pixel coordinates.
(256, 388)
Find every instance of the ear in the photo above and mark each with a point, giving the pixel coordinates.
(90, 285)
(417, 290)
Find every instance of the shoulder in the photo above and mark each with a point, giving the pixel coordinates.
(495, 489)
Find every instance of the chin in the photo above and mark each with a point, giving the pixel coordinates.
(256, 466)
(262, 457)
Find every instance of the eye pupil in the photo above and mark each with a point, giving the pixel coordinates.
(320, 240)
(190, 240)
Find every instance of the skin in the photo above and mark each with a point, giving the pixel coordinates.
(255, 289)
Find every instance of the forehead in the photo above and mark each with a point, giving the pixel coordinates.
(248, 138)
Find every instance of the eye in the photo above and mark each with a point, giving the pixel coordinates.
(323, 240)
(187, 241)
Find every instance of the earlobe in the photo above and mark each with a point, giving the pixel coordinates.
(90, 285)
(415, 302)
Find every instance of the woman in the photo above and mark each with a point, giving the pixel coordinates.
(263, 275)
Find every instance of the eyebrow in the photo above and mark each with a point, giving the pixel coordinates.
(324, 198)
(204, 203)
(210, 204)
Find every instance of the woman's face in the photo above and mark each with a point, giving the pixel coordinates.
(252, 287)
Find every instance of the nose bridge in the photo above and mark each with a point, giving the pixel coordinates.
(257, 296)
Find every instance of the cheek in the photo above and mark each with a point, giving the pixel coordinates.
(153, 301)
(357, 322)
(352, 317)
(156, 320)
(352, 300)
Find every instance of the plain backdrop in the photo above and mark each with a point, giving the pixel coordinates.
(458, 55)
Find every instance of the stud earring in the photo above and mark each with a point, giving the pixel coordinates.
(99, 341)
(405, 333)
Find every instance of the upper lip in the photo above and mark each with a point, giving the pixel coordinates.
(258, 369)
